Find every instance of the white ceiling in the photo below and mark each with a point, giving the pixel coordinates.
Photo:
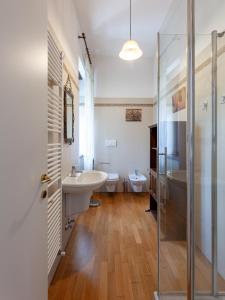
(106, 23)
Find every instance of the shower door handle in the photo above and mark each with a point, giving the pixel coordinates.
(163, 182)
(165, 155)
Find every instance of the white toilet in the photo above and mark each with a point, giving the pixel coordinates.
(111, 182)
(137, 182)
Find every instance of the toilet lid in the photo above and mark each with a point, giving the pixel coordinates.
(113, 176)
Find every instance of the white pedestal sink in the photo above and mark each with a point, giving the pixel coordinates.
(79, 189)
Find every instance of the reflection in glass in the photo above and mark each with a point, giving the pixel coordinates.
(172, 166)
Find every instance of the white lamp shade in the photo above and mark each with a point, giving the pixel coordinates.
(130, 51)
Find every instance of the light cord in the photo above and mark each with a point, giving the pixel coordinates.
(130, 20)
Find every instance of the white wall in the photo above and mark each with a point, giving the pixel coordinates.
(118, 83)
(23, 123)
(62, 16)
(63, 19)
(211, 19)
(132, 151)
(115, 78)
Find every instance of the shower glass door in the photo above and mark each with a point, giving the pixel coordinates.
(210, 165)
(220, 186)
(204, 252)
(172, 183)
(209, 151)
(203, 168)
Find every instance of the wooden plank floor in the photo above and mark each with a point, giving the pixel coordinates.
(173, 269)
(111, 254)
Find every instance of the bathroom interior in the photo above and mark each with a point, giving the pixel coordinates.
(112, 150)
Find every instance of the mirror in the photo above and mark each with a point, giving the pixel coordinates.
(68, 113)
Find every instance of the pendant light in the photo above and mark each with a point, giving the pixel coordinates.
(131, 49)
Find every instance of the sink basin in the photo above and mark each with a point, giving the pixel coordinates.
(79, 189)
(87, 181)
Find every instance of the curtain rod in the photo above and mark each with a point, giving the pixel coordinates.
(82, 36)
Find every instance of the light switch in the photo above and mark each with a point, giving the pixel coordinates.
(111, 143)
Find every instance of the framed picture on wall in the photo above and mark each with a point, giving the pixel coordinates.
(179, 100)
(133, 115)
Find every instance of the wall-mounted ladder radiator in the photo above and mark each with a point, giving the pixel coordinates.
(55, 116)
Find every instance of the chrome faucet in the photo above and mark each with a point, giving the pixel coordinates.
(136, 172)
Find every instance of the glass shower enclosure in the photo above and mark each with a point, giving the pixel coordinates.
(191, 148)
